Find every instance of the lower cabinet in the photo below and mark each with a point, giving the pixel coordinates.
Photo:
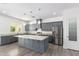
(38, 45)
(34, 46)
(21, 42)
(7, 39)
(28, 43)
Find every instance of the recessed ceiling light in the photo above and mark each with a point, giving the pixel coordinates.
(4, 11)
(24, 13)
(39, 9)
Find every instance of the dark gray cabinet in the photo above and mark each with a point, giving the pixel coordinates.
(58, 28)
(38, 45)
(21, 42)
(46, 26)
(28, 43)
(7, 39)
(34, 42)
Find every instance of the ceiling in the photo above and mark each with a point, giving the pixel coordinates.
(30, 11)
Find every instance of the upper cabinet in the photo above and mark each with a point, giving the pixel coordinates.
(48, 26)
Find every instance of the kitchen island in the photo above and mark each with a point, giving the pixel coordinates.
(33, 42)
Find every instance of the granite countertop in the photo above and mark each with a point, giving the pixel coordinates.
(34, 37)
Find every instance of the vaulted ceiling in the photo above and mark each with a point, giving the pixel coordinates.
(30, 11)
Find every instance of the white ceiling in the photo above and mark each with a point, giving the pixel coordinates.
(30, 11)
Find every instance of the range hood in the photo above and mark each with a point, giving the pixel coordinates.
(39, 24)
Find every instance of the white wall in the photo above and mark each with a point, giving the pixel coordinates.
(5, 23)
(71, 13)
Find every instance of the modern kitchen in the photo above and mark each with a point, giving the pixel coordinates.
(39, 29)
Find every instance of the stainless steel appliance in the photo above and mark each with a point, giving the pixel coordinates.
(57, 33)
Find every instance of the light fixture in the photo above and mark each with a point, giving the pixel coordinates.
(3, 11)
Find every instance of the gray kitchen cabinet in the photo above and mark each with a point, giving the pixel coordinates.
(28, 43)
(21, 42)
(41, 44)
(47, 26)
(44, 27)
(38, 45)
(34, 46)
(58, 28)
(7, 39)
(45, 44)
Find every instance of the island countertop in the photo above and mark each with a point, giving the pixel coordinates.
(34, 37)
